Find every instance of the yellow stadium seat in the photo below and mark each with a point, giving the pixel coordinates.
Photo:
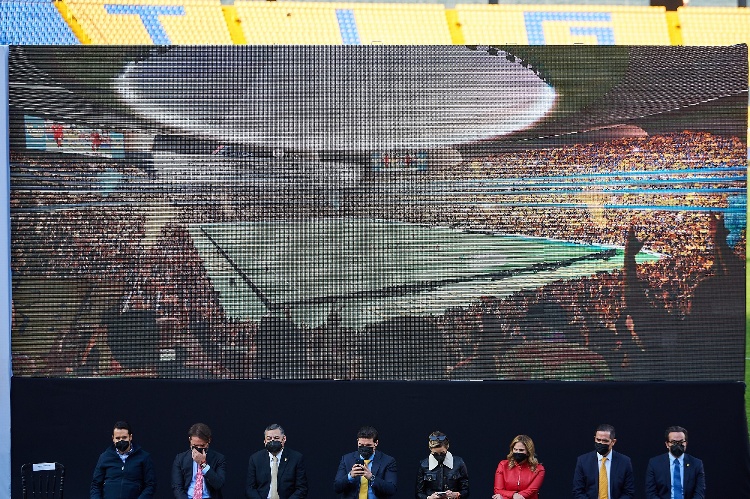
(147, 22)
(342, 23)
(562, 24)
(714, 25)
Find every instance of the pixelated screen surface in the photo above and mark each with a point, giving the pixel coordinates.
(379, 212)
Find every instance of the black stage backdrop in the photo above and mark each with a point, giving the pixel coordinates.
(70, 421)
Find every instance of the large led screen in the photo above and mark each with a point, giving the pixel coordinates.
(379, 212)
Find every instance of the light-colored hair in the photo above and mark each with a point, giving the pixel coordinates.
(529, 444)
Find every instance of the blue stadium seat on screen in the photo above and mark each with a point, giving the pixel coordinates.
(33, 23)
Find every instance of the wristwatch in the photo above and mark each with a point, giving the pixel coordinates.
(371, 479)
(203, 465)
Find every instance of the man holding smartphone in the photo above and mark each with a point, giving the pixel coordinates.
(198, 473)
(366, 473)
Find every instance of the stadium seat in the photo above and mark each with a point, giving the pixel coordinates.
(714, 25)
(343, 23)
(147, 22)
(562, 24)
(33, 23)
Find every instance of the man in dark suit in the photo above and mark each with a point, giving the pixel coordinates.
(687, 481)
(276, 472)
(366, 473)
(198, 458)
(603, 473)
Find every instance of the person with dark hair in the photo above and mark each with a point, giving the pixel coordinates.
(675, 475)
(442, 474)
(520, 475)
(603, 473)
(276, 472)
(198, 473)
(366, 473)
(124, 470)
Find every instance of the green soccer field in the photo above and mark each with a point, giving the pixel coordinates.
(374, 270)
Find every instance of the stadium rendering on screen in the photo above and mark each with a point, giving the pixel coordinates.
(379, 212)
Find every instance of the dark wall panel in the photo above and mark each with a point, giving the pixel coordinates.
(70, 421)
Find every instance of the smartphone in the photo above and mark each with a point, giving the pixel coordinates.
(442, 494)
(360, 462)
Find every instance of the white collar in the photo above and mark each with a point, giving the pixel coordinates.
(448, 462)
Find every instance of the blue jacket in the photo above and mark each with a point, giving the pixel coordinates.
(586, 478)
(659, 478)
(383, 469)
(135, 479)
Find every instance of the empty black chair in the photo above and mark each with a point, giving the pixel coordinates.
(42, 480)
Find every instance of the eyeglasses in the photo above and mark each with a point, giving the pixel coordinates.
(677, 442)
(437, 438)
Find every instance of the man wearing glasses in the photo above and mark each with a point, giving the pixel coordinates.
(603, 473)
(675, 475)
(198, 473)
(366, 473)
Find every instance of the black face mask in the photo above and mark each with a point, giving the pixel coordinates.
(677, 450)
(602, 449)
(274, 446)
(365, 452)
(519, 457)
(122, 445)
(439, 457)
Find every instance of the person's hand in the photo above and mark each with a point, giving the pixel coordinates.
(497, 496)
(198, 457)
(367, 473)
(632, 244)
(433, 496)
(358, 470)
(716, 228)
(452, 495)
(518, 496)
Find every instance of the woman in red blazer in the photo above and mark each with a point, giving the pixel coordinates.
(520, 476)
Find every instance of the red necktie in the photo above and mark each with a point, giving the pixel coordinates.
(198, 490)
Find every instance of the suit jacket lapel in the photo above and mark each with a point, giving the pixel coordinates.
(282, 464)
(687, 472)
(614, 465)
(667, 463)
(376, 462)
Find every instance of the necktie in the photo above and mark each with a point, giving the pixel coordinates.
(676, 481)
(364, 483)
(603, 485)
(198, 490)
(275, 477)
